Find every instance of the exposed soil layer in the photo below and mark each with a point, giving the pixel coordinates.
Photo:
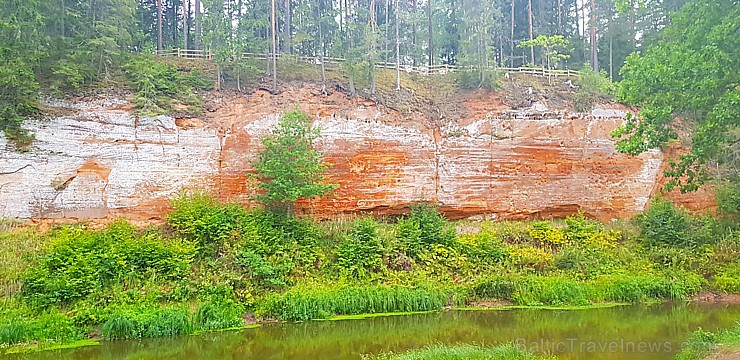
(511, 154)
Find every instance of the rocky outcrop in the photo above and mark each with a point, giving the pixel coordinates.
(104, 162)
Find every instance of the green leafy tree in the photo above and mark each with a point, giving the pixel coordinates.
(289, 167)
(19, 49)
(692, 73)
(554, 48)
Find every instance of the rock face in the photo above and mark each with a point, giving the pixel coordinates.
(105, 162)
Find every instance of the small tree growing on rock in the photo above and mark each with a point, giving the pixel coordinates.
(289, 167)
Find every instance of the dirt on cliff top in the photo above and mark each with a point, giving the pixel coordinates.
(424, 102)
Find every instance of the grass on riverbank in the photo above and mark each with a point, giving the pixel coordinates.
(213, 264)
(463, 352)
(703, 343)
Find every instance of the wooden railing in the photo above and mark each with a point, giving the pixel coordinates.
(423, 70)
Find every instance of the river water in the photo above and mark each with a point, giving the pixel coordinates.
(627, 332)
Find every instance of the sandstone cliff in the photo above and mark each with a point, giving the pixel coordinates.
(490, 160)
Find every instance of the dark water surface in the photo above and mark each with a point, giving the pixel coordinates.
(629, 332)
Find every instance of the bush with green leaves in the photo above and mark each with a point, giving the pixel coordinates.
(361, 251)
(592, 87)
(264, 273)
(728, 199)
(727, 278)
(204, 219)
(664, 223)
(479, 77)
(425, 226)
(82, 262)
(157, 83)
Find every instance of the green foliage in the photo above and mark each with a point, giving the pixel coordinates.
(361, 251)
(482, 249)
(646, 287)
(464, 352)
(300, 304)
(553, 290)
(133, 324)
(728, 278)
(204, 219)
(425, 226)
(554, 48)
(728, 199)
(683, 76)
(82, 262)
(703, 343)
(666, 224)
(218, 314)
(50, 326)
(289, 167)
(592, 87)
(68, 75)
(158, 83)
(18, 98)
(485, 78)
(264, 273)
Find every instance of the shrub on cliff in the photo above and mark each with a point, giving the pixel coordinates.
(157, 83)
(81, 263)
(361, 251)
(204, 219)
(289, 167)
(425, 226)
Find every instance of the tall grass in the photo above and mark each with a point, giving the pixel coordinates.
(218, 315)
(51, 326)
(158, 323)
(321, 303)
(562, 290)
(18, 246)
(464, 352)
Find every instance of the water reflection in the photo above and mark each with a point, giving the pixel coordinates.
(634, 332)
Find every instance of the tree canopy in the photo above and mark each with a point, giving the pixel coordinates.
(289, 167)
(692, 73)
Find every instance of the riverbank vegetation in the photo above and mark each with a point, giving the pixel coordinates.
(703, 343)
(464, 352)
(214, 264)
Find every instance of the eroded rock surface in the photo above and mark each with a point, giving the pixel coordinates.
(105, 162)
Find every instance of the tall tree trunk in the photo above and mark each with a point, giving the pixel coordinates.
(387, 9)
(430, 50)
(413, 33)
(531, 46)
(198, 34)
(185, 14)
(592, 32)
(371, 65)
(560, 28)
(511, 39)
(173, 21)
(274, 49)
(64, 14)
(321, 40)
(286, 29)
(398, 53)
(159, 24)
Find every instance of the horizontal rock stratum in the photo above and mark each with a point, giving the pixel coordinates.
(103, 162)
